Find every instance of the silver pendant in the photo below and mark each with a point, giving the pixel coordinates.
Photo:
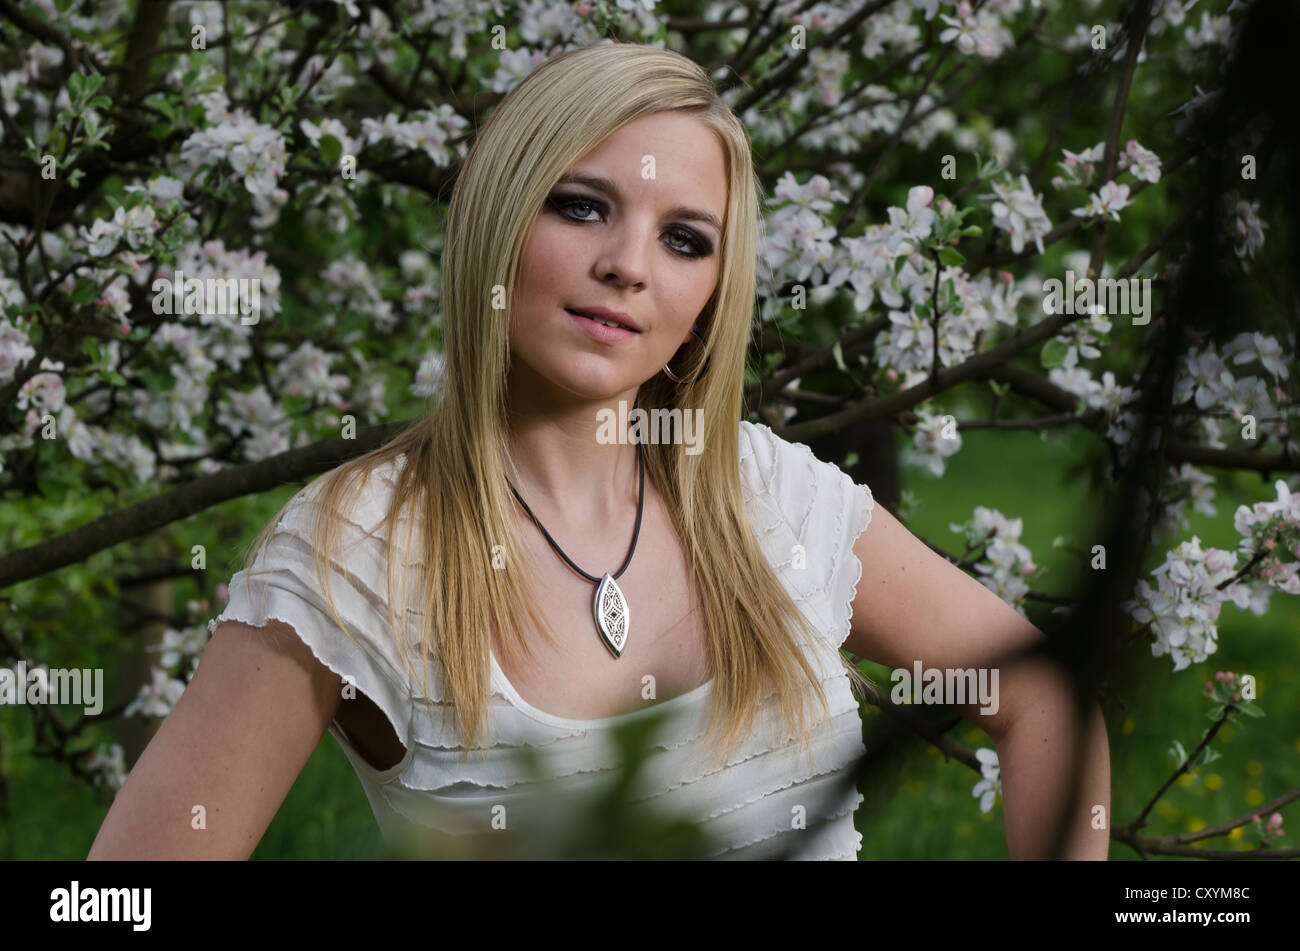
(610, 609)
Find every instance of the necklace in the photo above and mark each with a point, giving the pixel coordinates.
(609, 607)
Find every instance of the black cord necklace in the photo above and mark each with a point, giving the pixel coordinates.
(609, 607)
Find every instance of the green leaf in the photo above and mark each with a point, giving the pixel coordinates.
(331, 149)
(112, 376)
(973, 231)
(1206, 757)
(951, 257)
(160, 130)
(1054, 352)
(838, 353)
(86, 291)
(1249, 709)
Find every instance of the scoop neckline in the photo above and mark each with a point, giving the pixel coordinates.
(517, 699)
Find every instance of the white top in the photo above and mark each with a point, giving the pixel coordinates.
(767, 800)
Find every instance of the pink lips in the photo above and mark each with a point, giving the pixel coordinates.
(598, 331)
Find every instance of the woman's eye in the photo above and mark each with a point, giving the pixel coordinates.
(690, 243)
(566, 205)
(579, 203)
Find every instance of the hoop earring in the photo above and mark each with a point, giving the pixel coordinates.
(673, 376)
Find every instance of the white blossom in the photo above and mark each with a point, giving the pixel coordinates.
(987, 789)
(429, 377)
(1019, 212)
(156, 698)
(1141, 163)
(934, 439)
(1248, 229)
(1108, 202)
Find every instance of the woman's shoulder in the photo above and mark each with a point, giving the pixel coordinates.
(789, 474)
(360, 504)
(811, 517)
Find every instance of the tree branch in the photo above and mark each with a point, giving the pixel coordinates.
(140, 519)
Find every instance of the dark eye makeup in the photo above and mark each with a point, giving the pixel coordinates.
(563, 204)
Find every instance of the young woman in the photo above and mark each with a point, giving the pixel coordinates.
(490, 612)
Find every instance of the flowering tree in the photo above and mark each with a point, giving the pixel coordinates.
(207, 211)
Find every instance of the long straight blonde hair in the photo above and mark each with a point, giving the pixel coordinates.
(453, 481)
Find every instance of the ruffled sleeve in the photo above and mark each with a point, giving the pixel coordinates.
(282, 584)
(824, 511)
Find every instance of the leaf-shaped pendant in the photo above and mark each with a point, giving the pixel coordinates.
(610, 608)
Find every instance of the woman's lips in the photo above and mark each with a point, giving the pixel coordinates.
(598, 331)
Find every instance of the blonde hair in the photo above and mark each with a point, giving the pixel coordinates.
(453, 475)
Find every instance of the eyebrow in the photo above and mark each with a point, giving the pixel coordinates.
(601, 184)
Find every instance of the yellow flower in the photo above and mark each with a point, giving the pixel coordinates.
(1128, 728)
(1213, 781)
(1254, 797)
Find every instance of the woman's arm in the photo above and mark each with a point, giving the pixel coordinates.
(912, 604)
(235, 742)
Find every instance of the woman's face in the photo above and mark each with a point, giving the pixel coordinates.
(634, 238)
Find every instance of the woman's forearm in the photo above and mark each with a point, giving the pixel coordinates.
(1037, 755)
